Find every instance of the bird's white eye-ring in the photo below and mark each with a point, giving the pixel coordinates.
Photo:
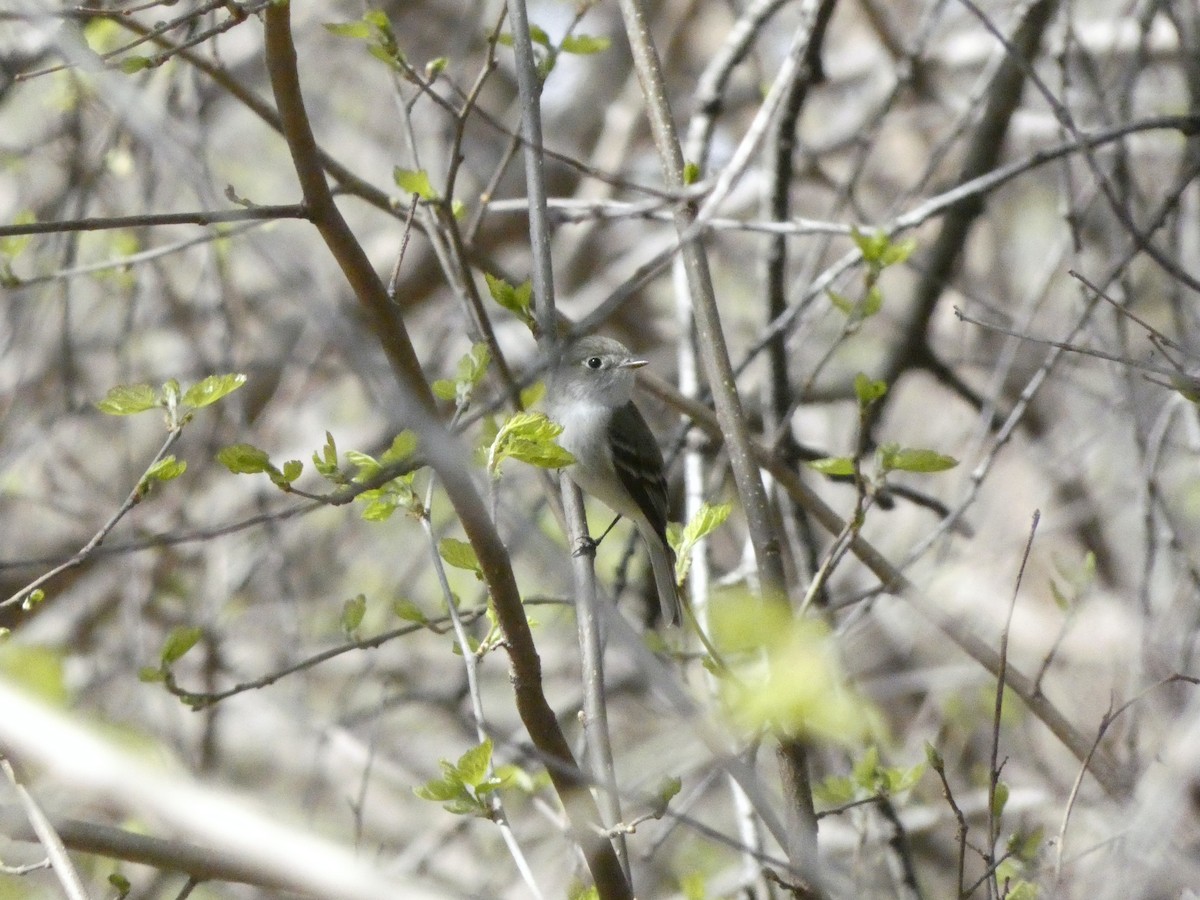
(594, 362)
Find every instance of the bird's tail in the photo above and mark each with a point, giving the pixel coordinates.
(662, 561)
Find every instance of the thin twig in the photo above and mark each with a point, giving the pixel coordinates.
(64, 871)
(132, 499)
(994, 770)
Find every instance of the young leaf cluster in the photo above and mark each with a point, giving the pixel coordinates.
(889, 457)
(868, 779)
(879, 252)
(517, 299)
(416, 181)
(471, 369)
(782, 674)
(177, 644)
(381, 500)
(396, 493)
(178, 403)
(707, 520)
(465, 786)
(375, 30)
(548, 53)
(528, 437)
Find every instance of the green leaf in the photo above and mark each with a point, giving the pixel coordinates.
(379, 19)
(244, 459)
(538, 35)
(435, 67)
(583, 44)
(708, 519)
(171, 393)
(528, 437)
(459, 554)
(668, 789)
(409, 611)
(414, 182)
(866, 771)
(127, 399)
(517, 778)
(833, 465)
(402, 447)
(1025, 846)
(292, 469)
(440, 789)
(841, 302)
(13, 245)
(897, 780)
(380, 509)
(386, 53)
(786, 673)
(353, 611)
(691, 173)
(836, 790)
(1188, 387)
(934, 757)
(466, 806)
(358, 30)
(151, 675)
(473, 765)
(872, 303)
(867, 390)
(367, 466)
(517, 300)
(165, 469)
(897, 252)
(178, 642)
(489, 785)
(212, 389)
(880, 251)
(471, 369)
(134, 63)
(872, 246)
(326, 464)
(533, 394)
(32, 599)
(906, 459)
(1000, 799)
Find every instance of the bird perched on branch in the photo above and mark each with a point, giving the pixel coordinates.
(617, 459)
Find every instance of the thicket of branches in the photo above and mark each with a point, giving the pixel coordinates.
(286, 608)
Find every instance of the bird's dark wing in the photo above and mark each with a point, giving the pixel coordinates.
(639, 464)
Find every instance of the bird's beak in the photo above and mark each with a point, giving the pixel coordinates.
(634, 363)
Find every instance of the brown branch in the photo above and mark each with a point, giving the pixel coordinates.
(200, 217)
(982, 154)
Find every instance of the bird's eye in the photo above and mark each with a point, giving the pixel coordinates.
(594, 362)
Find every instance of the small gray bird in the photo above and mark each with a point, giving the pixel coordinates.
(617, 459)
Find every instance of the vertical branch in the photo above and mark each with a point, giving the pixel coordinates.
(525, 665)
(529, 89)
(710, 334)
(719, 371)
(994, 773)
